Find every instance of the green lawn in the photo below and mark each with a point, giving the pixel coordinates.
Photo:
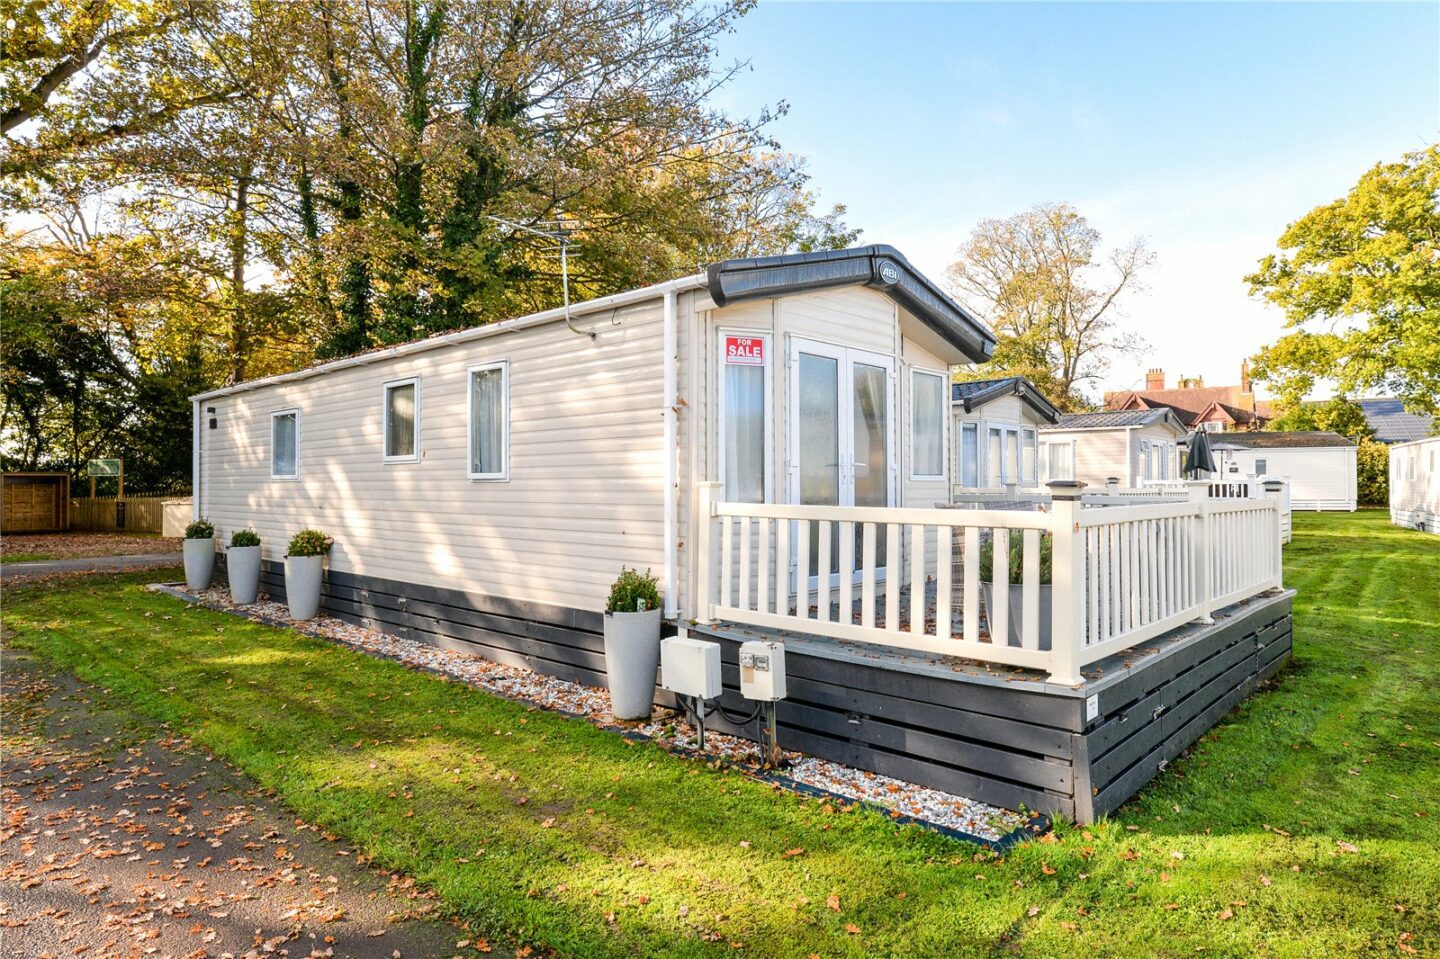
(1306, 824)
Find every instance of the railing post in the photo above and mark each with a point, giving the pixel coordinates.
(1067, 576)
(1199, 492)
(1112, 483)
(1273, 490)
(704, 553)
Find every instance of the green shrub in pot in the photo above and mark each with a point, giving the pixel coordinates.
(1016, 558)
(242, 566)
(199, 550)
(1015, 563)
(632, 643)
(304, 572)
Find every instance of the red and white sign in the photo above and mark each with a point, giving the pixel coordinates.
(745, 350)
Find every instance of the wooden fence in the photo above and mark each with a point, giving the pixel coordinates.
(140, 514)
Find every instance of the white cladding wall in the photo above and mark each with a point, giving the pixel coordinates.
(1415, 484)
(586, 468)
(1118, 452)
(1321, 478)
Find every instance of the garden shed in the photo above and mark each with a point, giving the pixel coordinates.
(1415, 484)
(36, 502)
(1320, 465)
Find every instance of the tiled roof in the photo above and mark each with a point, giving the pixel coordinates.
(1109, 419)
(1260, 440)
(976, 393)
(960, 391)
(1387, 417)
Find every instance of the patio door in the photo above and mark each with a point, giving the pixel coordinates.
(842, 437)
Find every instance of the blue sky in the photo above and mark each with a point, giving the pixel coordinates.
(1205, 128)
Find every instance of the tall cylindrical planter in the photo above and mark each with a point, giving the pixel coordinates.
(632, 654)
(242, 566)
(199, 563)
(1016, 620)
(303, 575)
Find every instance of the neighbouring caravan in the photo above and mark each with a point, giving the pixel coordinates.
(1133, 446)
(1320, 465)
(995, 432)
(1415, 484)
(514, 467)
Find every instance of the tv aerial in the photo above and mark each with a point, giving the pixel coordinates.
(560, 235)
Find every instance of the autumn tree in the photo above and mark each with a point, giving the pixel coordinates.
(1052, 295)
(1359, 281)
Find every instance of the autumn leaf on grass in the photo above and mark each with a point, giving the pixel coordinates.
(852, 929)
(547, 823)
(1344, 846)
(833, 901)
(1047, 869)
(792, 853)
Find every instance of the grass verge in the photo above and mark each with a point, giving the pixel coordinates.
(1305, 824)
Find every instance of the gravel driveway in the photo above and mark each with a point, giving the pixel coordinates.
(118, 845)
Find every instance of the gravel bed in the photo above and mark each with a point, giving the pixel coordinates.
(669, 728)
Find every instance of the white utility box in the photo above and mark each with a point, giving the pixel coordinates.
(762, 671)
(690, 667)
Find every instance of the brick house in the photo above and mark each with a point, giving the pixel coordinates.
(1211, 408)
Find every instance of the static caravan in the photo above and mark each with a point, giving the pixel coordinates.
(995, 432)
(1415, 484)
(771, 438)
(1320, 465)
(1133, 446)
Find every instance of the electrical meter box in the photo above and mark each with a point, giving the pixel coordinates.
(762, 671)
(690, 667)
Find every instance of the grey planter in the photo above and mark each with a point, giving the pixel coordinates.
(303, 576)
(242, 565)
(1017, 612)
(199, 563)
(632, 654)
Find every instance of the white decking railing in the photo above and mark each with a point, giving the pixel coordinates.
(1121, 575)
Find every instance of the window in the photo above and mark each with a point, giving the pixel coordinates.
(970, 455)
(995, 457)
(927, 425)
(1057, 460)
(1167, 455)
(402, 420)
(744, 416)
(285, 444)
(1147, 460)
(490, 422)
(1028, 475)
(1212, 427)
(1260, 468)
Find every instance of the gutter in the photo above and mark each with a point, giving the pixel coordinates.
(613, 301)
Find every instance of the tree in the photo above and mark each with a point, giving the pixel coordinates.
(1051, 296)
(1359, 281)
(1372, 473)
(1339, 415)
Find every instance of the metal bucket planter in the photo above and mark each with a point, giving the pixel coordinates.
(242, 566)
(1015, 622)
(303, 576)
(199, 563)
(632, 654)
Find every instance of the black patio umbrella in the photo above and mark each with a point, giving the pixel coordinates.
(1199, 456)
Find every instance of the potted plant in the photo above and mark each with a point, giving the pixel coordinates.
(199, 554)
(632, 643)
(304, 570)
(1016, 599)
(242, 565)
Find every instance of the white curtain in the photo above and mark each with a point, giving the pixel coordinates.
(400, 421)
(745, 433)
(487, 421)
(970, 455)
(927, 423)
(282, 445)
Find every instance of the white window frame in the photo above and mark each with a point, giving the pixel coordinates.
(413, 457)
(1049, 447)
(503, 475)
(973, 427)
(944, 378)
(274, 415)
(1030, 435)
(721, 401)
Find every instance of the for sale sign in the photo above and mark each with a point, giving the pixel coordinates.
(745, 350)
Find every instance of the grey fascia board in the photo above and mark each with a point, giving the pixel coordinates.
(879, 267)
(1015, 386)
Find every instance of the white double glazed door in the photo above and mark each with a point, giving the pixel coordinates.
(842, 439)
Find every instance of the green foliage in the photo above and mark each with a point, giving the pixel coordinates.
(309, 542)
(1338, 415)
(630, 590)
(244, 537)
(1372, 473)
(1051, 297)
(1359, 280)
(1015, 558)
(200, 529)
